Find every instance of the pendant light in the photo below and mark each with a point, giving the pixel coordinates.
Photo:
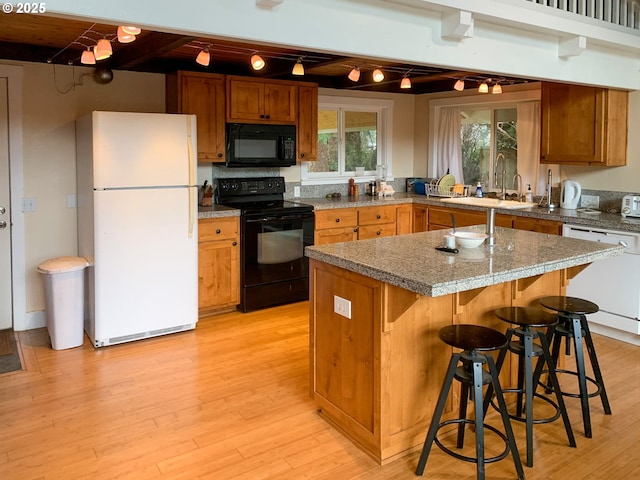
(204, 57)
(496, 88)
(131, 30)
(257, 62)
(124, 37)
(459, 86)
(405, 82)
(354, 74)
(88, 58)
(377, 75)
(298, 68)
(483, 88)
(102, 49)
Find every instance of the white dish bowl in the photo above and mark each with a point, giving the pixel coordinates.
(469, 239)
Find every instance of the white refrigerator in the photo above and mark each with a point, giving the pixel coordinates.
(137, 224)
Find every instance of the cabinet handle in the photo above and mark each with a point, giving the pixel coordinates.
(267, 117)
(302, 155)
(337, 220)
(355, 229)
(378, 217)
(218, 230)
(234, 243)
(219, 155)
(261, 116)
(378, 232)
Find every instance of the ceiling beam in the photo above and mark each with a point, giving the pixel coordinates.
(146, 48)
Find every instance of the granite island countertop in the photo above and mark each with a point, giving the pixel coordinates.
(411, 261)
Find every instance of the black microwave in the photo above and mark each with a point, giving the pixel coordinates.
(250, 145)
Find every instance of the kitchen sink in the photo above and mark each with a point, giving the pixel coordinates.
(489, 202)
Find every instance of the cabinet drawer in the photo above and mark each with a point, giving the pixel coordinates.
(341, 217)
(375, 231)
(335, 235)
(218, 229)
(376, 215)
(463, 218)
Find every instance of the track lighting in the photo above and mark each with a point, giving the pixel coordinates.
(102, 49)
(354, 74)
(204, 57)
(483, 88)
(257, 62)
(496, 88)
(459, 86)
(377, 75)
(131, 30)
(405, 82)
(298, 68)
(124, 37)
(88, 58)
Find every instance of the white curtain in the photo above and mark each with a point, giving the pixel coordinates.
(529, 147)
(448, 149)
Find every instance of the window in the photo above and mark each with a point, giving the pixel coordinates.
(352, 133)
(496, 135)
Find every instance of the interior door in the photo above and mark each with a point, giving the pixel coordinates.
(5, 213)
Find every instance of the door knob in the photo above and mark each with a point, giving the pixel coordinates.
(3, 224)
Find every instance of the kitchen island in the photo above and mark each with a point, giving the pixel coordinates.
(376, 307)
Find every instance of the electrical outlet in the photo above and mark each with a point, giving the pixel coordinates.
(296, 191)
(28, 204)
(590, 201)
(342, 306)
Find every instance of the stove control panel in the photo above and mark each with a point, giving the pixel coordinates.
(250, 186)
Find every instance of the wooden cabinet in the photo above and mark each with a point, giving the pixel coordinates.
(404, 219)
(440, 218)
(202, 94)
(583, 125)
(538, 225)
(346, 224)
(218, 264)
(420, 219)
(261, 101)
(307, 132)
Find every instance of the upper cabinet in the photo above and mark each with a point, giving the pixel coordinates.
(261, 101)
(583, 125)
(307, 142)
(202, 94)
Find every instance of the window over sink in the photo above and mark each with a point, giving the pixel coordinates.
(354, 138)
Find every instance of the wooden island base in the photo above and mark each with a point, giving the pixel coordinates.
(377, 375)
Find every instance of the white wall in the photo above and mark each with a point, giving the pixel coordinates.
(49, 156)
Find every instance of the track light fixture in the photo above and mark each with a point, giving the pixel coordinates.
(496, 88)
(124, 37)
(204, 57)
(483, 88)
(131, 30)
(459, 86)
(354, 74)
(88, 58)
(298, 68)
(377, 75)
(257, 62)
(405, 82)
(102, 49)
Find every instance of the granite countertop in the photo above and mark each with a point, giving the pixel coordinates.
(411, 261)
(605, 220)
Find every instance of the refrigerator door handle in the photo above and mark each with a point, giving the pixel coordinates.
(191, 177)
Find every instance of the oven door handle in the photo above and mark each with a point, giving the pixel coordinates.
(279, 217)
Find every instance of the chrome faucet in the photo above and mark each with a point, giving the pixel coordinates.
(517, 180)
(503, 189)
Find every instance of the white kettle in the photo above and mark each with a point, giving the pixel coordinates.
(570, 194)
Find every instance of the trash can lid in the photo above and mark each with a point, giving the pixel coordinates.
(63, 264)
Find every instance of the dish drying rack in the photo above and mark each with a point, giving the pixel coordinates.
(436, 191)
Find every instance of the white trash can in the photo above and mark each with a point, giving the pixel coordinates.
(64, 300)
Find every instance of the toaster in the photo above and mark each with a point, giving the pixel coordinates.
(630, 206)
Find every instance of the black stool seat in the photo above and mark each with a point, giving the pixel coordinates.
(571, 312)
(472, 337)
(574, 305)
(529, 321)
(473, 340)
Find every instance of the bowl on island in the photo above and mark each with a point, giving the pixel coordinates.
(469, 239)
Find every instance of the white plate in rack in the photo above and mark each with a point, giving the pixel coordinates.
(445, 183)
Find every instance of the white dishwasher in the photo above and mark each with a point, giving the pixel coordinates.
(613, 284)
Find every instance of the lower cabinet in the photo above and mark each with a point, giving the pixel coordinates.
(218, 264)
(538, 225)
(440, 218)
(346, 224)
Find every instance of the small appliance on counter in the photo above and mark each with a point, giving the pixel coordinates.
(630, 206)
(570, 194)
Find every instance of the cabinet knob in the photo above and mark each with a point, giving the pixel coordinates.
(378, 217)
(302, 155)
(378, 232)
(217, 230)
(234, 243)
(219, 155)
(355, 230)
(337, 220)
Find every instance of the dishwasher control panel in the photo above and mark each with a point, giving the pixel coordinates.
(629, 240)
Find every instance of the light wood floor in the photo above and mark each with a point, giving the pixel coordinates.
(229, 401)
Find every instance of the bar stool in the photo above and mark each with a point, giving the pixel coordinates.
(473, 340)
(572, 313)
(529, 320)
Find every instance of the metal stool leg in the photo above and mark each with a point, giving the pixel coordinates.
(528, 379)
(435, 421)
(582, 376)
(591, 350)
